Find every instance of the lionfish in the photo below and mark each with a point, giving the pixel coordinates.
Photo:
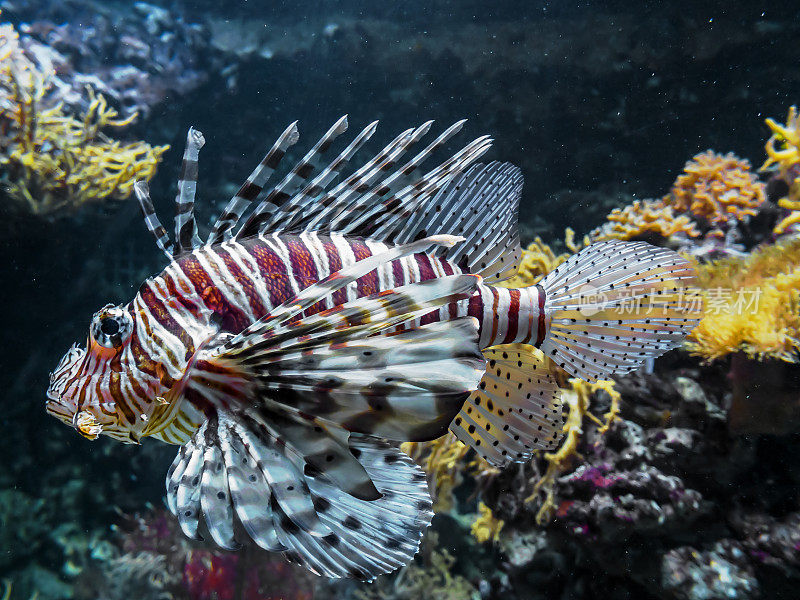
(289, 356)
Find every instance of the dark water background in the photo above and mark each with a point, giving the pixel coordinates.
(598, 102)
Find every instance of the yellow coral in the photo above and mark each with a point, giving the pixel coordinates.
(441, 460)
(793, 218)
(54, 162)
(486, 527)
(783, 147)
(752, 305)
(783, 153)
(716, 188)
(577, 400)
(643, 219)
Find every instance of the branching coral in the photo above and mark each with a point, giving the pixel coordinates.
(486, 527)
(716, 188)
(752, 305)
(577, 400)
(783, 154)
(783, 147)
(715, 191)
(643, 220)
(701, 214)
(441, 460)
(52, 162)
(793, 206)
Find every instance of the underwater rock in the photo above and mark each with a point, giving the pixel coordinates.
(137, 56)
(773, 544)
(22, 527)
(627, 496)
(719, 573)
(696, 405)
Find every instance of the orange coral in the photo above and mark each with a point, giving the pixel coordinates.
(643, 219)
(716, 187)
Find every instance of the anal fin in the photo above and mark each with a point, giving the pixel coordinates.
(516, 408)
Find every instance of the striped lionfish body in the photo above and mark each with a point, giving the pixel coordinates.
(289, 358)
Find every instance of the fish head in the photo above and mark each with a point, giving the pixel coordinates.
(102, 389)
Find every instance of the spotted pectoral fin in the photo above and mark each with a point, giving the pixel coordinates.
(235, 471)
(325, 450)
(368, 537)
(403, 386)
(516, 408)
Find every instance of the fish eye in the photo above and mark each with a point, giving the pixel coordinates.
(111, 326)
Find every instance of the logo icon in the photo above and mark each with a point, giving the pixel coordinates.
(591, 300)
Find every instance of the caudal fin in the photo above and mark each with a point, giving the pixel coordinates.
(615, 304)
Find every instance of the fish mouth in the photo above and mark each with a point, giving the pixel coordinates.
(87, 425)
(68, 366)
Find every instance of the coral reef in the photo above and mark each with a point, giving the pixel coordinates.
(138, 56)
(53, 163)
(783, 159)
(716, 189)
(577, 400)
(752, 305)
(645, 220)
(638, 477)
(661, 474)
